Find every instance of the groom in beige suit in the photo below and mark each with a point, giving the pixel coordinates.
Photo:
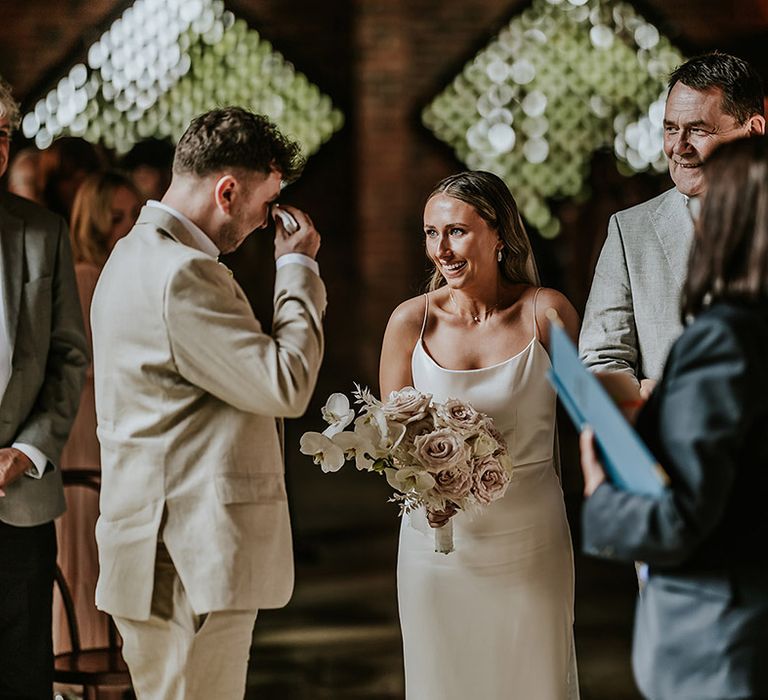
(194, 535)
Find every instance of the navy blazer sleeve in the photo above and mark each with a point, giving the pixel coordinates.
(695, 423)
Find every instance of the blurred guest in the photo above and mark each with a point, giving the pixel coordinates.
(149, 164)
(23, 174)
(43, 357)
(62, 168)
(105, 209)
(701, 629)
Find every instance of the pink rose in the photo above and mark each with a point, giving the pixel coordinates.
(441, 449)
(459, 415)
(453, 484)
(407, 405)
(490, 480)
(415, 429)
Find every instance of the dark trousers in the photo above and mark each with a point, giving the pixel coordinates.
(27, 569)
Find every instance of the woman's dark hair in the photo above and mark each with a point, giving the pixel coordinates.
(729, 258)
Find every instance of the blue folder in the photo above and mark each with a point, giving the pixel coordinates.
(629, 464)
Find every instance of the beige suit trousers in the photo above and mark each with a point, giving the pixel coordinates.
(178, 655)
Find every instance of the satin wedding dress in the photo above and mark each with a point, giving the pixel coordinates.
(493, 620)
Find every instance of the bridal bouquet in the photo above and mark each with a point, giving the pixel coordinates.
(443, 456)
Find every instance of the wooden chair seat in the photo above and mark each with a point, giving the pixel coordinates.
(99, 667)
(90, 668)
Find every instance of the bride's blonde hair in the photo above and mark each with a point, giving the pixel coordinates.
(493, 201)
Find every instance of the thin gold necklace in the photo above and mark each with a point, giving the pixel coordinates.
(475, 317)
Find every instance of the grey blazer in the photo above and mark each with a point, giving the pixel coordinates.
(632, 315)
(50, 356)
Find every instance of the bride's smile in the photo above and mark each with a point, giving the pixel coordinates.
(460, 242)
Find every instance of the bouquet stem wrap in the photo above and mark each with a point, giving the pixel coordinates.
(444, 538)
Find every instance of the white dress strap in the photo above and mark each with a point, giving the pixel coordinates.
(535, 321)
(426, 311)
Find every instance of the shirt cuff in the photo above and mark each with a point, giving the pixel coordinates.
(38, 459)
(299, 259)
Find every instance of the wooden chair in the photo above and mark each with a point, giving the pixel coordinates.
(90, 668)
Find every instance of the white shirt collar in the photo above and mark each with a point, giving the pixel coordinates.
(693, 204)
(204, 243)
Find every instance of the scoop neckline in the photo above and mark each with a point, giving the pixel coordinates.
(531, 344)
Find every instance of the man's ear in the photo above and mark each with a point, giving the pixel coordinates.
(756, 124)
(224, 192)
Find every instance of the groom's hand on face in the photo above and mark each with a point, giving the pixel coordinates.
(305, 241)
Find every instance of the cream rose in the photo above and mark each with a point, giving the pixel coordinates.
(407, 405)
(441, 449)
(490, 480)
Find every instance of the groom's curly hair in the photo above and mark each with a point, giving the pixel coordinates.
(234, 138)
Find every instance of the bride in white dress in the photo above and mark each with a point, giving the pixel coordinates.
(493, 620)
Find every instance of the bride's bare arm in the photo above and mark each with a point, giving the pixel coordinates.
(401, 336)
(552, 299)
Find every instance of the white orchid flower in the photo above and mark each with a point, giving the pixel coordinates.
(383, 435)
(357, 448)
(409, 479)
(323, 451)
(337, 413)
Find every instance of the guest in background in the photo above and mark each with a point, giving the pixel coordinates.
(104, 210)
(149, 165)
(63, 167)
(23, 174)
(43, 356)
(631, 318)
(701, 629)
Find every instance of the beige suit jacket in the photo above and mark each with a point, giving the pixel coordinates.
(187, 390)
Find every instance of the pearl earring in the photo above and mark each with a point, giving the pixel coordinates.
(498, 256)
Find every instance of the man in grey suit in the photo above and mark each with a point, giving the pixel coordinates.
(632, 315)
(43, 358)
(194, 534)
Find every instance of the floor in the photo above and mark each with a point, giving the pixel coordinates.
(339, 636)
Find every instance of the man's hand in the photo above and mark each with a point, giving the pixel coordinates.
(623, 388)
(13, 463)
(646, 388)
(590, 466)
(305, 241)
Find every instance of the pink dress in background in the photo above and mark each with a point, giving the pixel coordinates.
(75, 530)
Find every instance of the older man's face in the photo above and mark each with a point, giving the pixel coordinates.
(5, 142)
(694, 126)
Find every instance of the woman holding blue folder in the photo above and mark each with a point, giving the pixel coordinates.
(701, 629)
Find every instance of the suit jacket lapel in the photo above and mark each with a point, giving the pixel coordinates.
(12, 251)
(674, 228)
